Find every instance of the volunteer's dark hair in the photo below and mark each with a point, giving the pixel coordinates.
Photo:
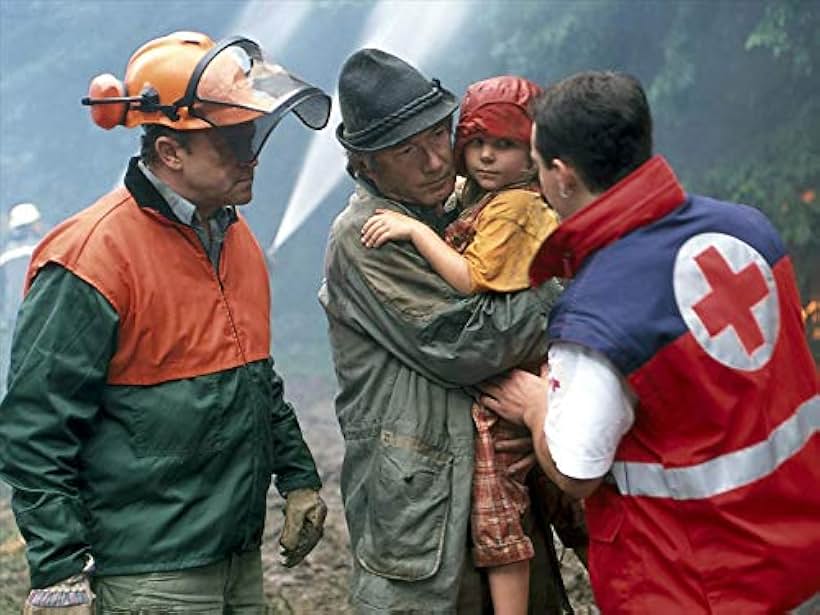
(599, 122)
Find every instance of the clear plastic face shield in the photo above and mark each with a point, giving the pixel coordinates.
(238, 92)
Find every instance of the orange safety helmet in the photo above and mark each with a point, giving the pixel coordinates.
(186, 81)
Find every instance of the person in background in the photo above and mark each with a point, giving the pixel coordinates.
(23, 232)
(681, 399)
(405, 343)
(488, 248)
(143, 419)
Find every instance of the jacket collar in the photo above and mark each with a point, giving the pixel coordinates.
(434, 217)
(642, 197)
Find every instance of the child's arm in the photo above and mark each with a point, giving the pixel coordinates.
(386, 225)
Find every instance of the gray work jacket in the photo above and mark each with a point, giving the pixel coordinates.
(404, 345)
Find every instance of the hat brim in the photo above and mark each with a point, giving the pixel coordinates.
(424, 119)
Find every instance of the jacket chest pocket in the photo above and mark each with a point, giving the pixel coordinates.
(182, 423)
(408, 506)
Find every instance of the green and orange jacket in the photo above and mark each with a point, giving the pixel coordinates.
(144, 419)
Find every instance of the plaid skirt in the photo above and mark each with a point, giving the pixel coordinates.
(499, 500)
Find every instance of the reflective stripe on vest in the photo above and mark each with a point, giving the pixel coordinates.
(725, 472)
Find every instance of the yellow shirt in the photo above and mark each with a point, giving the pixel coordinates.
(508, 232)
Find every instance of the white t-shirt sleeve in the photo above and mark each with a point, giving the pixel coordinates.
(589, 409)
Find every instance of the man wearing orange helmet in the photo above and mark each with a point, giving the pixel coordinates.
(143, 419)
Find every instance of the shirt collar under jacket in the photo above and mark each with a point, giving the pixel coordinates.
(642, 197)
(182, 207)
(211, 238)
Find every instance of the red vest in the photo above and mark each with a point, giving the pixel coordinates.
(714, 502)
(178, 317)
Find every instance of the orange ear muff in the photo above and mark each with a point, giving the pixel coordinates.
(107, 114)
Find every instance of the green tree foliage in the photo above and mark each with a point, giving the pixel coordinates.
(788, 29)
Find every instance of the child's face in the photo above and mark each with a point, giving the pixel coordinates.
(496, 163)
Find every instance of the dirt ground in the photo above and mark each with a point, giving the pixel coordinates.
(316, 587)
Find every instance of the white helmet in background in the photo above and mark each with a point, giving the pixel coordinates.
(23, 214)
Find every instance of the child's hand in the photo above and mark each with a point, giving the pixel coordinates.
(385, 225)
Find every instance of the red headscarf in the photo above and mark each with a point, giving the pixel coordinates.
(498, 108)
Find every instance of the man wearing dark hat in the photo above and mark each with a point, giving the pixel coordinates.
(405, 344)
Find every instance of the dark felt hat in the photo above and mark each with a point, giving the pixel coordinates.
(384, 101)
